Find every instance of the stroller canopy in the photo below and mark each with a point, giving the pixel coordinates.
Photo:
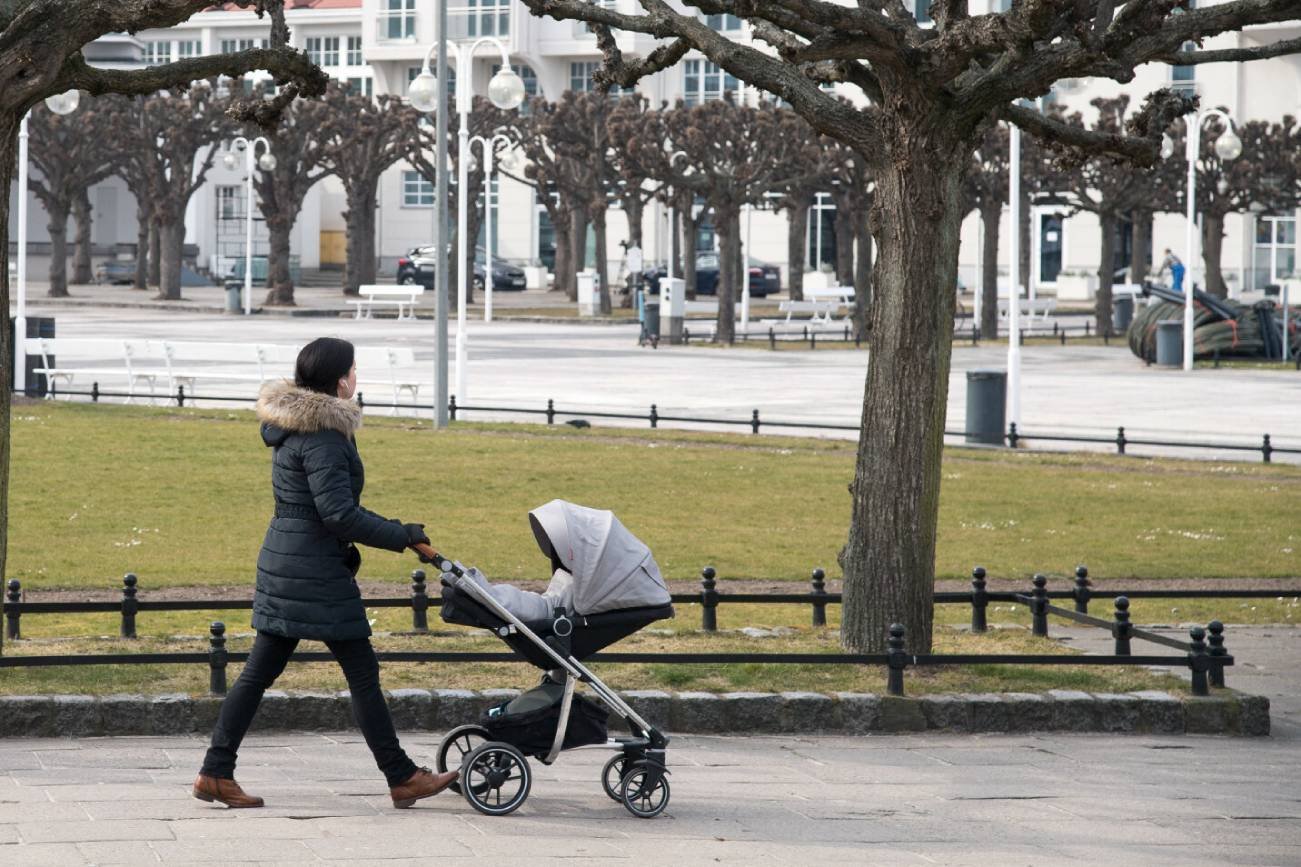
(611, 567)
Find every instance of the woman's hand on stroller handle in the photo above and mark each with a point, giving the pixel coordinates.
(427, 554)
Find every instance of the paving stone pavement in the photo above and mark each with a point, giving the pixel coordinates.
(931, 799)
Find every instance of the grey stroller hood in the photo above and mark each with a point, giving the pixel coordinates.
(611, 567)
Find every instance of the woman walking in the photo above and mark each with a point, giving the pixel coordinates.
(306, 571)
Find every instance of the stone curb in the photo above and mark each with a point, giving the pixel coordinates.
(1227, 712)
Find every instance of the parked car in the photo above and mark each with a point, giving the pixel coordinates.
(418, 267)
(765, 279)
(116, 271)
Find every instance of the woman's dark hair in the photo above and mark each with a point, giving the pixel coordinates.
(322, 363)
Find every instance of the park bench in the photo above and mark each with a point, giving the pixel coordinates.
(1039, 307)
(402, 297)
(131, 355)
(841, 294)
(403, 377)
(819, 312)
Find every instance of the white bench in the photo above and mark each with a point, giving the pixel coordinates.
(128, 353)
(402, 297)
(400, 364)
(1041, 307)
(841, 294)
(818, 311)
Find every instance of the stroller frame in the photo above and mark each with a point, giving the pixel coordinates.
(643, 754)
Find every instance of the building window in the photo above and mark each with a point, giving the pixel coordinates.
(323, 50)
(397, 20)
(820, 234)
(479, 18)
(702, 81)
(922, 11)
(354, 51)
(158, 52)
(230, 46)
(1182, 77)
(580, 79)
(189, 48)
(723, 23)
(361, 85)
(1275, 251)
(417, 191)
(230, 202)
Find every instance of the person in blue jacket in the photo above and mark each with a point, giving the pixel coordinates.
(1172, 264)
(306, 571)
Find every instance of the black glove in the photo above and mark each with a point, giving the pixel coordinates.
(415, 534)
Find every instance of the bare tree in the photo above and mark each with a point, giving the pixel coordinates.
(70, 157)
(929, 90)
(41, 56)
(986, 189)
(543, 171)
(797, 198)
(852, 187)
(361, 139)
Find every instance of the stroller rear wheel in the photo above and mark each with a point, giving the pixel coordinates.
(456, 745)
(495, 778)
(643, 797)
(612, 777)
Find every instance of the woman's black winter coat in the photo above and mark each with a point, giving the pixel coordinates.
(306, 585)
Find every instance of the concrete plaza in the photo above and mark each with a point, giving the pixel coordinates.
(1079, 390)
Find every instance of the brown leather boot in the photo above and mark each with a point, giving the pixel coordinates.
(422, 784)
(226, 792)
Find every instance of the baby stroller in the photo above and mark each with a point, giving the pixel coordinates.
(613, 588)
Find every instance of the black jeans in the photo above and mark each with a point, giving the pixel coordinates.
(267, 660)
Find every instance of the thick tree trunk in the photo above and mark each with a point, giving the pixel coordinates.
(844, 229)
(862, 276)
(367, 255)
(688, 251)
(1026, 229)
(82, 272)
(1212, 245)
(889, 558)
(1106, 269)
(280, 286)
(727, 219)
(990, 218)
(634, 208)
(577, 250)
(155, 249)
(563, 271)
(602, 263)
(359, 225)
(8, 154)
(58, 228)
(1141, 251)
(142, 252)
(171, 244)
(797, 227)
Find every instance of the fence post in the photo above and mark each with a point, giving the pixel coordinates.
(451, 408)
(1012, 435)
(361, 401)
(551, 411)
(180, 396)
(813, 340)
(772, 338)
(419, 602)
(979, 600)
(1081, 591)
(94, 392)
(1120, 440)
(1039, 607)
(1120, 629)
(819, 589)
(708, 600)
(130, 605)
(654, 416)
(754, 422)
(217, 658)
(897, 659)
(15, 597)
(1216, 641)
(1198, 660)
(1266, 449)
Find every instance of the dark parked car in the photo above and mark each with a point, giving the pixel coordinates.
(116, 271)
(765, 279)
(418, 267)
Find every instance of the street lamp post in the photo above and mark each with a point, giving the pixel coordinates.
(486, 146)
(62, 103)
(1014, 279)
(1227, 147)
(506, 92)
(267, 162)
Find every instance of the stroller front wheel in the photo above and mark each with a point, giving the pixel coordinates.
(456, 745)
(642, 797)
(612, 778)
(496, 778)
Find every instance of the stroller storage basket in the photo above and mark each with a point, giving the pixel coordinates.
(528, 721)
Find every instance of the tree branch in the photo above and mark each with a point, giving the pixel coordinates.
(1259, 52)
(618, 71)
(1141, 145)
(286, 64)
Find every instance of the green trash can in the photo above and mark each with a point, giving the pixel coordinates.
(1170, 342)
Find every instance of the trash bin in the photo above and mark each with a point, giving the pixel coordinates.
(37, 326)
(1170, 342)
(234, 296)
(1123, 312)
(650, 327)
(986, 406)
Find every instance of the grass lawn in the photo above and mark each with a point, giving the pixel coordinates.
(182, 498)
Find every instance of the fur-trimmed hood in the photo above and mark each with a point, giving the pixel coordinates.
(284, 406)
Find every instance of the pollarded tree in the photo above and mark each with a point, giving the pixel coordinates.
(40, 56)
(1107, 187)
(69, 154)
(852, 187)
(929, 91)
(362, 138)
(986, 191)
(797, 198)
(1265, 176)
(633, 187)
(543, 171)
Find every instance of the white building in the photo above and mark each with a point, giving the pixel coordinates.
(377, 46)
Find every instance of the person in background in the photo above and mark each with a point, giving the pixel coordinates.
(1172, 264)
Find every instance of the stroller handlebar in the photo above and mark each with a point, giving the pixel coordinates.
(440, 562)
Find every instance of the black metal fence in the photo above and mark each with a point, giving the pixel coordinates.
(1205, 658)
(813, 334)
(1014, 437)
